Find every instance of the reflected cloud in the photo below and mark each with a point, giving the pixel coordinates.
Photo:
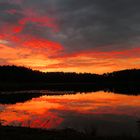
(80, 111)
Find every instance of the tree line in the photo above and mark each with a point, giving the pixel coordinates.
(22, 74)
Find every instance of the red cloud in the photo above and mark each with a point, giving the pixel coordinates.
(31, 16)
(43, 44)
(133, 53)
(11, 11)
(13, 32)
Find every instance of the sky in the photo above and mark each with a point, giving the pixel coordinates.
(94, 36)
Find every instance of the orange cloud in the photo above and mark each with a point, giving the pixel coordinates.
(95, 61)
(39, 54)
(19, 46)
(51, 111)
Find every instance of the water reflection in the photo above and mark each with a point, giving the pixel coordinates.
(106, 112)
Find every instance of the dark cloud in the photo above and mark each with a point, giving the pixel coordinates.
(100, 24)
(10, 13)
(8, 6)
(38, 31)
(84, 24)
(10, 18)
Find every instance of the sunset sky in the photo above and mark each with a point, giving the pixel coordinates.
(70, 35)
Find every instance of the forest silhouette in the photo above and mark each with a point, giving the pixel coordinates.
(124, 81)
(23, 74)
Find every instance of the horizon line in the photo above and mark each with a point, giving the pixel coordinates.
(68, 71)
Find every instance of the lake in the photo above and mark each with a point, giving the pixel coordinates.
(104, 113)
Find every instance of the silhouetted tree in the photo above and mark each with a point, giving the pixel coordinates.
(125, 81)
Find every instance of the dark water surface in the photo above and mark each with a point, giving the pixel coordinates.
(101, 112)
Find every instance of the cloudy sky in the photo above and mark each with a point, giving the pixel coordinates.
(70, 35)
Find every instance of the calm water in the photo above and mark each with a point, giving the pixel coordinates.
(107, 113)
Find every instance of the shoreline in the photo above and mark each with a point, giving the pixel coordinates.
(24, 133)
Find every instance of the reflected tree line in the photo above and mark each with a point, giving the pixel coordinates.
(125, 81)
